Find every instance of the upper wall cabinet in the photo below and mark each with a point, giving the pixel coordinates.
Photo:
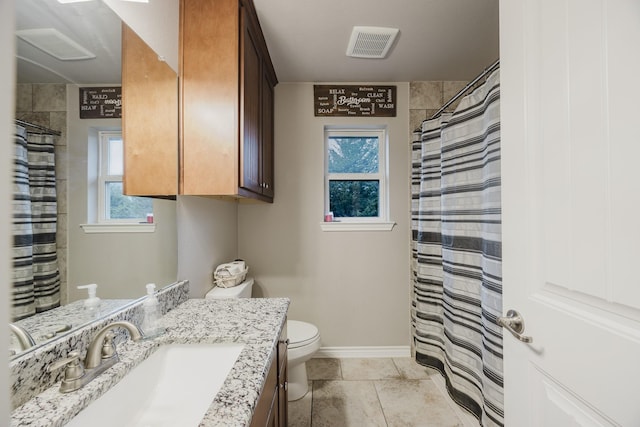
(150, 120)
(223, 105)
(226, 101)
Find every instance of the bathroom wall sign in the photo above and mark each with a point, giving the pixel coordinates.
(354, 101)
(101, 102)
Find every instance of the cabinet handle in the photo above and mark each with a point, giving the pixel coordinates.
(285, 385)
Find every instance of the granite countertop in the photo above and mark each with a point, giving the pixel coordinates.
(66, 317)
(256, 323)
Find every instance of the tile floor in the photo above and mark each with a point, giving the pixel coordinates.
(384, 392)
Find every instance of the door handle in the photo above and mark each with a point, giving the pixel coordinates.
(514, 323)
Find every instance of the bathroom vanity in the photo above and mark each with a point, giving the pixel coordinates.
(253, 393)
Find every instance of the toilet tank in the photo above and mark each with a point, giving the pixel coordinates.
(243, 290)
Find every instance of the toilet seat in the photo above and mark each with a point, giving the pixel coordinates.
(301, 333)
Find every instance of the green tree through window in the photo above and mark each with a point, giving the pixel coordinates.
(127, 207)
(354, 198)
(354, 173)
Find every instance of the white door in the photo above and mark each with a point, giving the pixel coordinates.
(570, 108)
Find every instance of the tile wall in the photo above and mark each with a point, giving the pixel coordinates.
(426, 97)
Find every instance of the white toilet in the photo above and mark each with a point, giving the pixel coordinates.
(304, 340)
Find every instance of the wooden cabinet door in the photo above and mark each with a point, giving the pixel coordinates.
(226, 146)
(266, 411)
(209, 92)
(149, 120)
(250, 137)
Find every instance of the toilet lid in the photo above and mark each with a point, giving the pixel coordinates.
(227, 293)
(301, 333)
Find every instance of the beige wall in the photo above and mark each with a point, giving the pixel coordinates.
(353, 285)
(207, 237)
(120, 263)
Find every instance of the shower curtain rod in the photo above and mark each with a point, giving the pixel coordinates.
(34, 126)
(486, 71)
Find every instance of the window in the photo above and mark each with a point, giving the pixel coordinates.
(355, 175)
(113, 206)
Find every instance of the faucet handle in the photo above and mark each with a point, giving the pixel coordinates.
(74, 368)
(108, 346)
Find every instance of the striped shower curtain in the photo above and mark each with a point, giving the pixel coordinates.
(36, 279)
(456, 250)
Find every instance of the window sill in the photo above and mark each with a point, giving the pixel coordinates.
(118, 228)
(357, 226)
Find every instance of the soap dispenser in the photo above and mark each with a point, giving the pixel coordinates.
(151, 307)
(92, 303)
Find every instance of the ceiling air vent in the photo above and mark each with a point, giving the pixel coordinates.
(56, 44)
(371, 42)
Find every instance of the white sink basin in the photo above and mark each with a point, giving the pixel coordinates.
(173, 387)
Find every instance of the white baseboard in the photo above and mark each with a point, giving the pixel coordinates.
(364, 352)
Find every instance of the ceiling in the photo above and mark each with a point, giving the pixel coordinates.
(307, 39)
(438, 40)
(91, 24)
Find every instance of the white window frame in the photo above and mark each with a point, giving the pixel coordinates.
(97, 192)
(381, 222)
(104, 178)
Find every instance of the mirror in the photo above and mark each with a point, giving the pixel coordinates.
(48, 90)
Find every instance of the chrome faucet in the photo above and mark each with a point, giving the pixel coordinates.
(101, 355)
(24, 338)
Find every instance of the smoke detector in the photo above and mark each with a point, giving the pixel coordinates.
(371, 42)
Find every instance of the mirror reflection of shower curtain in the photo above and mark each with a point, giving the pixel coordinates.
(36, 278)
(457, 251)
